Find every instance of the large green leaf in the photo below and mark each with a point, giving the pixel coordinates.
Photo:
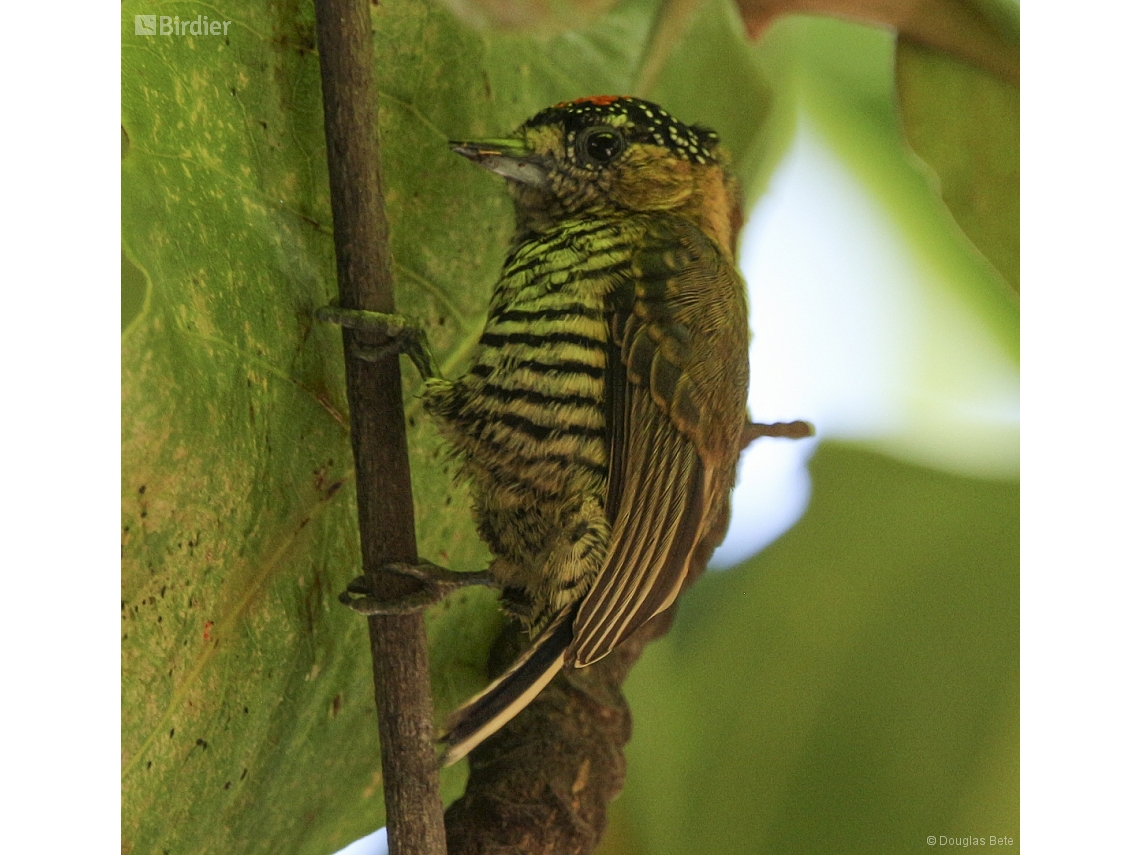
(964, 124)
(247, 701)
(853, 689)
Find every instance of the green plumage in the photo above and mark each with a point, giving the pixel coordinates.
(529, 417)
(601, 421)
(533, 421)
(600, 424)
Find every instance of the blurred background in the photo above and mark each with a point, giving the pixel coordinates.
(845, 677)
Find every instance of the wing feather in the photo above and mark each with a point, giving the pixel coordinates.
(661, 494)
(655, 532)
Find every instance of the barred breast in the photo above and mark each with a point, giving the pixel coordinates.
(529, 418)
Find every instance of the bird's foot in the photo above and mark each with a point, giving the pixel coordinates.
(400, 334)
(438, 583)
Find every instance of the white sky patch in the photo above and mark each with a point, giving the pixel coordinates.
(854, 332)
(828, 300)
(375, 843)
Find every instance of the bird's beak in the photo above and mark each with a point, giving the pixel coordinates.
(511, 159)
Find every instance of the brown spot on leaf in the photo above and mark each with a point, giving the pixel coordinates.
(319, 474)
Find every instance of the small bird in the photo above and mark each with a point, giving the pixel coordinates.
(601, 421)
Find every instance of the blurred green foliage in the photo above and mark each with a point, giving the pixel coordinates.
(853, 689)
(964, 124)
(841, 692)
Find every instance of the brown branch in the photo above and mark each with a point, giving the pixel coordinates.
(383, 474)
(785, 430)
(543, 782)
(951, 26)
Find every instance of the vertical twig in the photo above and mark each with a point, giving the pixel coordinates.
(383, 476)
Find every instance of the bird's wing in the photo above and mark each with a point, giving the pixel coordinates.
(665, 402)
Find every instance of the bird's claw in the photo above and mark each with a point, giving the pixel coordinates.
(433, 574)
(403, 334)
(437, 581)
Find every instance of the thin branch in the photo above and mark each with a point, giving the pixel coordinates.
(383, 474)
(784, 430)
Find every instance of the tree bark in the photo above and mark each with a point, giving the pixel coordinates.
(383, 475)
(542, 784)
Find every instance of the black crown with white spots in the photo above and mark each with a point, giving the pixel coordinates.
(640, 121)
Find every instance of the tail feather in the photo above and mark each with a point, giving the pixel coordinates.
(505, 697)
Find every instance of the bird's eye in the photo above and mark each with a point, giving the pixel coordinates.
(601, 145)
